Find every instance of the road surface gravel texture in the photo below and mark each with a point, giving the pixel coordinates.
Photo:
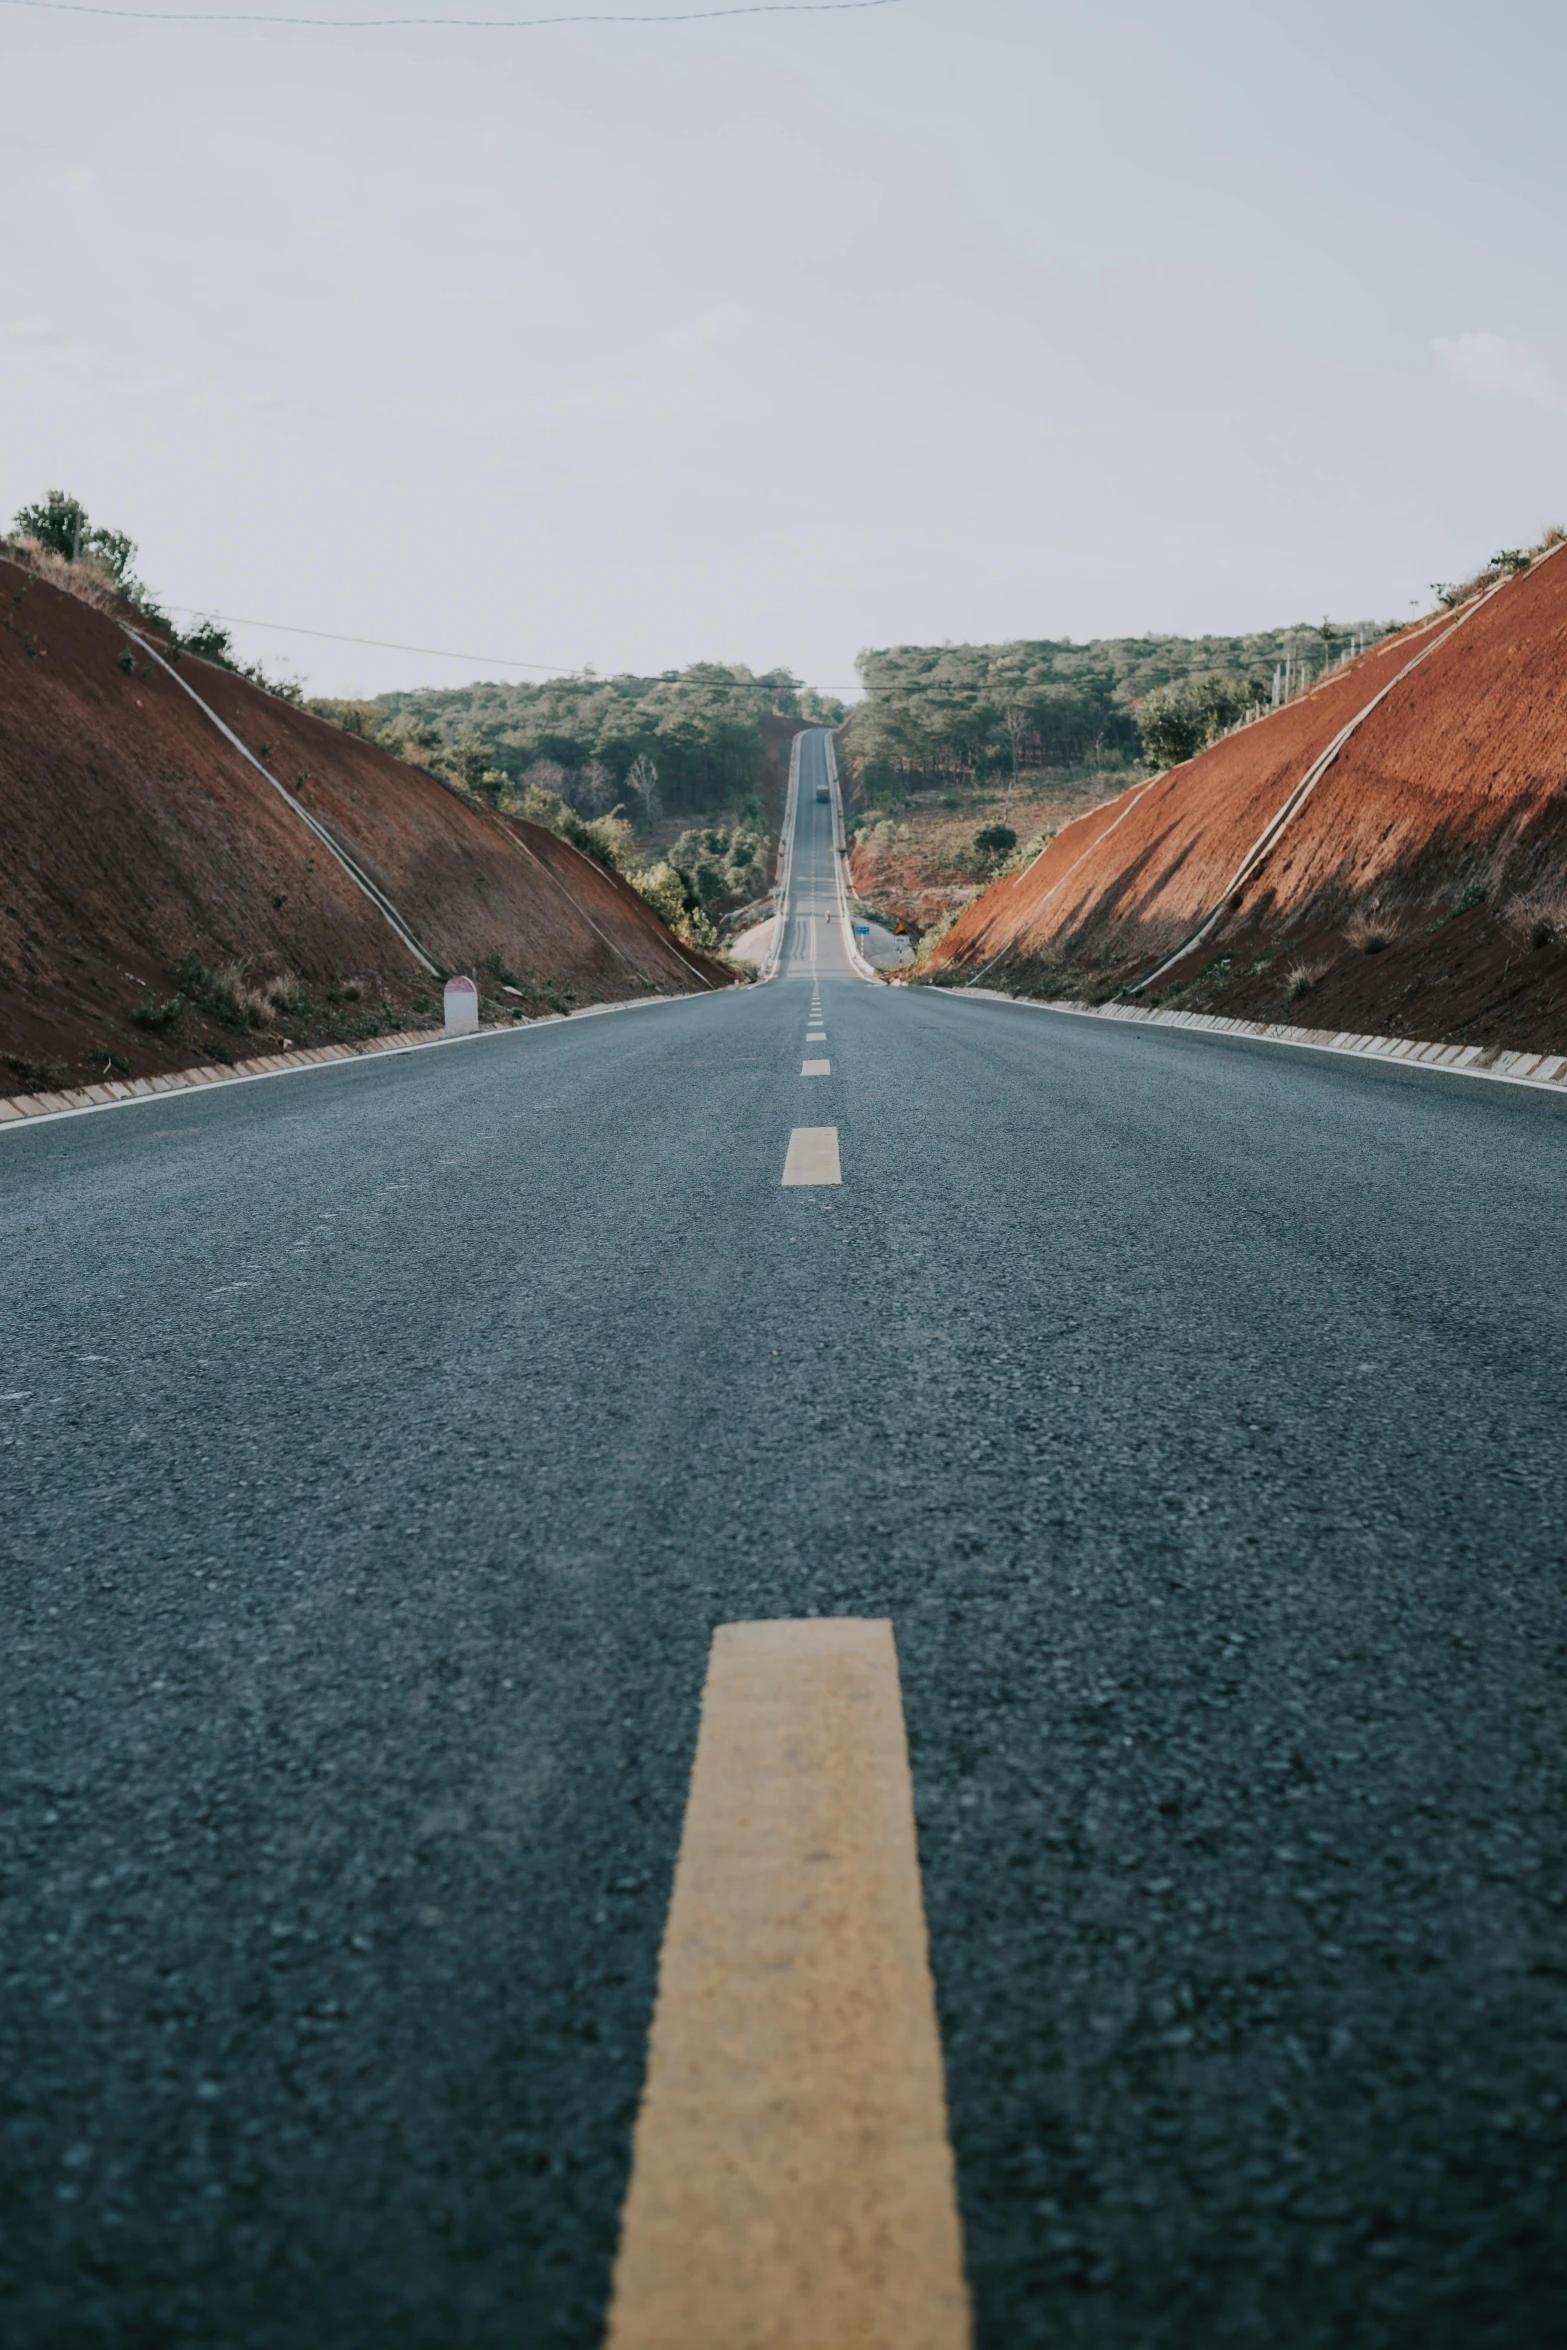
(381, 1447)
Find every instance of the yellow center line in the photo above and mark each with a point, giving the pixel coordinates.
(792, 2183)
(812, 1156)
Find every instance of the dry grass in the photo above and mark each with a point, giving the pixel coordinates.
(1539, 916)
(1301, 978)
(84, 579)
(1370, 933)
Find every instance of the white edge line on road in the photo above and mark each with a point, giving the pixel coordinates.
(775, 953)
(840, 859)
(348, 1060)
(1389, 1052)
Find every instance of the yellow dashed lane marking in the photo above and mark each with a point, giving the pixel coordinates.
(812, 1156)
(816, 1068)
(792, 2184)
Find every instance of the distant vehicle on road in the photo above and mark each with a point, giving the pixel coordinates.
(822, 793)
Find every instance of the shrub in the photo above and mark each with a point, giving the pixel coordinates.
(1468, 898)
(361, 718)
(612, 841)
(1176, 721)
(290, 999)
(224, 993)
(158, 1014)
(466, 762)
(209, 642)
(995, 840)
(664, 891)
(716, 861)
(59, 523)
(931, 939)
(1540, 916)
(697, 929)
(35, 1076)
(1370, 933)
(1301, 978)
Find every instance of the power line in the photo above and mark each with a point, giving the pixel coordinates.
(447, 23)
(960, 692)
(383, 644)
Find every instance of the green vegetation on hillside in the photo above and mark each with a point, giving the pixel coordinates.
(605, 761)
(59, 523)
(947, 712)
(57, 537)
(690, 739)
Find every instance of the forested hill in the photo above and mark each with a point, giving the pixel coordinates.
(687, 739)
(959, 709)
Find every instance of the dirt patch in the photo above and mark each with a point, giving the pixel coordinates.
(916, 862)
(162, 903)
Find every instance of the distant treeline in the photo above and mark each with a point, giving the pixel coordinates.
(689, 739)
(948, 711)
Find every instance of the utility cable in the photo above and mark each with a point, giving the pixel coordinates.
(495, 24)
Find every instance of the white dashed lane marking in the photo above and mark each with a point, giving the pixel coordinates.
(813, 1156)
(816, 1068)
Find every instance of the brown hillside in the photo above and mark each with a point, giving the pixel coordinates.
(1441, 823)
(133, 837)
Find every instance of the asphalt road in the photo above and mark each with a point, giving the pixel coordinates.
(381, 1445)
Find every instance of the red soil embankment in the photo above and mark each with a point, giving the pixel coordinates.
(133, 837)
(1448, 801)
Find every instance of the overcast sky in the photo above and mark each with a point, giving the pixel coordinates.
(770, 338)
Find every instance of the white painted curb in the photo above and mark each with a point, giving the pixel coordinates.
(1545, 1072)
(21, 1112)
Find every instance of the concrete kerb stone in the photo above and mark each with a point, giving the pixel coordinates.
(1541, 1072)
(29, 1109)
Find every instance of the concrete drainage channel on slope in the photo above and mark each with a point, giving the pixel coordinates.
(31, 1109)
(1542, 1072)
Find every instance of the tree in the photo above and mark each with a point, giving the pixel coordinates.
(467, 761)
(1014, 717)
(697, 730)
(934, 712)
(59, 522)
(209, 642)
(115, 550)
(1179, 720)
(642, 778)
(995, 840)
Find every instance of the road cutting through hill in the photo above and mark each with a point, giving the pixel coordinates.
(382, 1451)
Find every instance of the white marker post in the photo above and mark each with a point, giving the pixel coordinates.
(462, 1008)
